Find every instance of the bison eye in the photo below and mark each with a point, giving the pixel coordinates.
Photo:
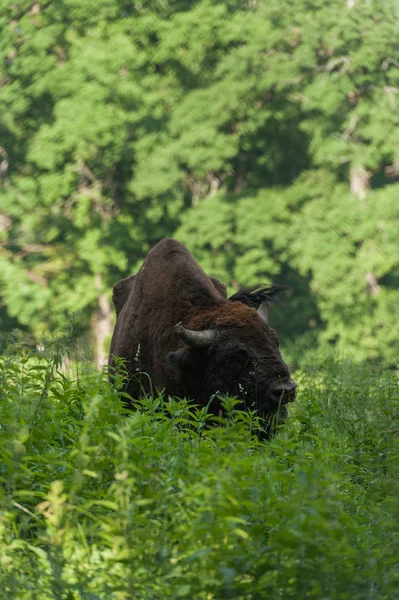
(233, 362)
(227, 363)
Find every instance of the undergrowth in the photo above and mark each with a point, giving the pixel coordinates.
(155, 504)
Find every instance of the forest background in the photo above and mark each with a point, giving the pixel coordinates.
(263, 134)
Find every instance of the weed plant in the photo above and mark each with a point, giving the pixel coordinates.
(156, 504)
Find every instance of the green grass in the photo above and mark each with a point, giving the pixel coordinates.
(99, 505)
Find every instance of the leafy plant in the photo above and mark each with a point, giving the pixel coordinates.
(96, 503)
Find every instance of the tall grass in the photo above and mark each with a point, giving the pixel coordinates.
(97, 504)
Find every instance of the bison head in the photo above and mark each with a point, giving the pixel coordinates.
(231, 349)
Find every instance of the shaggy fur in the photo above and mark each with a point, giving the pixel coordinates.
(170, 288)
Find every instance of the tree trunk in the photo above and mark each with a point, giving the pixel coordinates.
(102, 324)
(359, 181)
(372, 284)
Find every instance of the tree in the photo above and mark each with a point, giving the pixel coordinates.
(260, 133)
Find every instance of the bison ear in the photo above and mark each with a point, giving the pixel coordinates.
(179, 359)
(187, 365)
(263, 311)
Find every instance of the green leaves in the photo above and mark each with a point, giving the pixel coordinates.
(97, 503)
(238, 128)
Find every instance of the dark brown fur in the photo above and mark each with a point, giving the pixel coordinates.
(169, 288)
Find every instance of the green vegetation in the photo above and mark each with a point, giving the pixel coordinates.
(99, 505)
(263, 134)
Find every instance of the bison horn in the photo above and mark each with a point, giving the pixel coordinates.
(197, 339)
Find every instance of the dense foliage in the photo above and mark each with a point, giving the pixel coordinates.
(99, 505)
(263, 134)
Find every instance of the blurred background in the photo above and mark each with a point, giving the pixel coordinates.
(263, 134)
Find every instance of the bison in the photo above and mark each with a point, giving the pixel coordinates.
(179, 332)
